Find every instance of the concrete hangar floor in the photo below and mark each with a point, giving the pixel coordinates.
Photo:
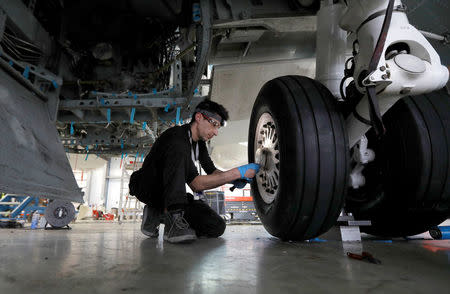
(112, 258)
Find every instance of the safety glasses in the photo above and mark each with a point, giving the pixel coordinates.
(211, 121)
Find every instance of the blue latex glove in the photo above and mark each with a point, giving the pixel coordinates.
(243, 168)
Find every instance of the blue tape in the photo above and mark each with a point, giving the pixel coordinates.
(142, 157)
(154, 91)
(55, 85)
(94, 92)
(87, 152)
(166, 109)
(444, 228)
(196, 14)
(113, 94)
(196, 91)
(135, 97)
(144, 125)
(383, 241)
(11, 63)
(26, 72)
(130, 94)
(137, 155)
(445, 232)
(317, 240)
(72, 131)
(178, 115)
(121, 158)
(102, 101)
(121, 143)
(133, 112)
(108, 115)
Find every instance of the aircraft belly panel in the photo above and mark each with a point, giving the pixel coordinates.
(32, 158)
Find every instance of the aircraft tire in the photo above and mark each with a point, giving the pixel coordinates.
(407, 188)
(300, 192)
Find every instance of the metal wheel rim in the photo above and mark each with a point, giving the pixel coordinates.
(267, 153)
(60, 212)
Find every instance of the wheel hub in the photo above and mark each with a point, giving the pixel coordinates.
(264, 157)
(267, 154)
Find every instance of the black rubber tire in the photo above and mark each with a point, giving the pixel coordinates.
(407, 188)
(313, 158)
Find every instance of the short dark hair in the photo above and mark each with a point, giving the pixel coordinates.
(211, 106)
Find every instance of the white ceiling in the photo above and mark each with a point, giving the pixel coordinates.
(79, 162)
(236, 88)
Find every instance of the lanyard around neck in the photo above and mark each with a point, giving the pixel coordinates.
(194, 153)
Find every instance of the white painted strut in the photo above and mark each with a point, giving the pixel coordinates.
(409, 64)
(331, 45)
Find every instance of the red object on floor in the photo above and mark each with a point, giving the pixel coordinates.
(109, 216)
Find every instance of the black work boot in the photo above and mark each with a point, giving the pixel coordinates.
(151, 219)
(177, 229)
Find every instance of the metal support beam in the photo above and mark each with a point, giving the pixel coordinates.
(204, 39)
(105, 140)
(19, 78)
(112, 151)
(95, 117)
(444, 38)
(122, 103)
(39, 80)
(106, 187)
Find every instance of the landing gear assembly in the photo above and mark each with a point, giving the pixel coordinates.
(303, 135)
(407, 187)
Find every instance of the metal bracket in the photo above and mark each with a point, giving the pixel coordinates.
(176, 77)
(349, 228)
(45, 84)
(204, 38)
(36, 71)
(381, 76)
(361, 155)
